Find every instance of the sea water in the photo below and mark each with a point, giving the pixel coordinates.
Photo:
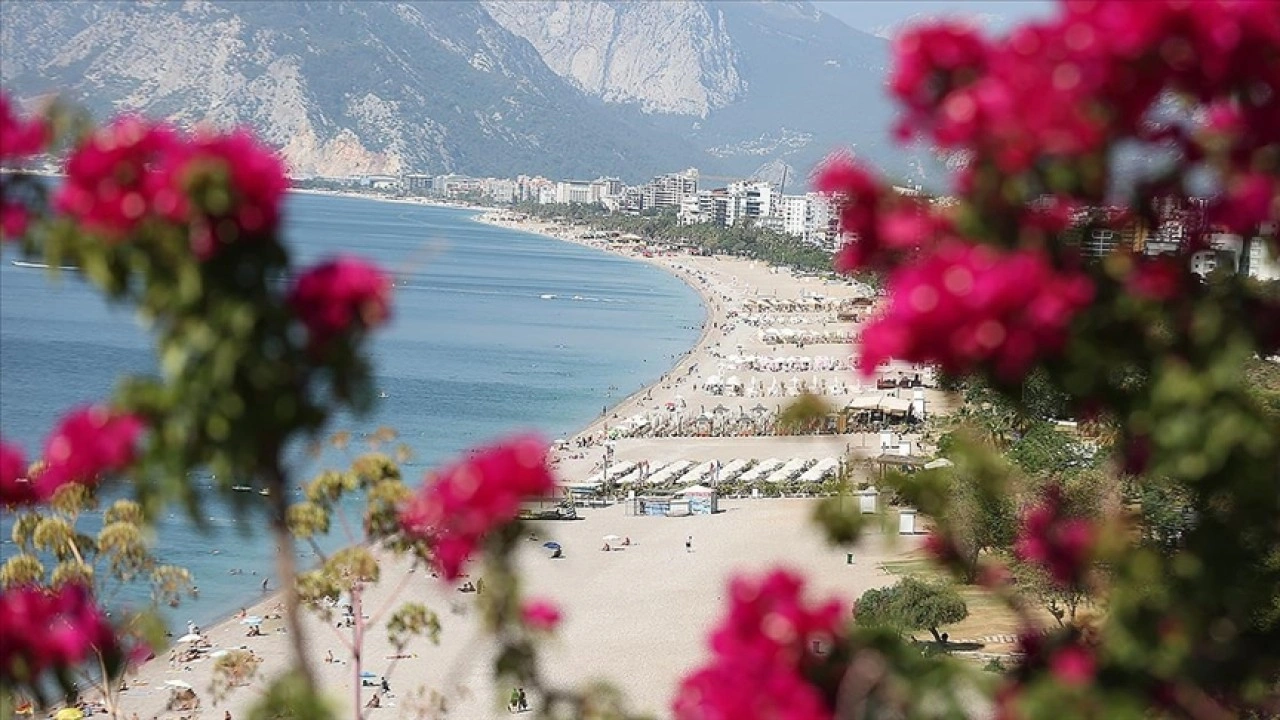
(493, 331)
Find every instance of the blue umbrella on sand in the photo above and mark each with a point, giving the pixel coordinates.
(551, 545)
(367, 674)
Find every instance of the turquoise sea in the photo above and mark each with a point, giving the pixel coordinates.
(493, 331)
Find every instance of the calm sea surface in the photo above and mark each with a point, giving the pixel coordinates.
(474, 350)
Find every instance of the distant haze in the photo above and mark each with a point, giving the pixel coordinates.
(884, 17)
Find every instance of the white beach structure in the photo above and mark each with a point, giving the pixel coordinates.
(787, 472)
(759, 471)
(670, 472)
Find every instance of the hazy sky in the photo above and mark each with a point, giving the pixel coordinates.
(876, 16)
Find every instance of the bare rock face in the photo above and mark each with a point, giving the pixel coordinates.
(668, 57)
(338, 87)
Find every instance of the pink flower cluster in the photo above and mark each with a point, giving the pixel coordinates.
(966, 305)
(879, 225)
(469, 499)
(332, 297)
(113, 178)
(133, 170)
(43, 630)
(540, 615)
(1059, 543)
(18, 138)
(256, 176)
(88, 443)
(764, 658)
(1068, 85)
(1070, 659)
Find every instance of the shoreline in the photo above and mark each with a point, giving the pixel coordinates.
(712, 315)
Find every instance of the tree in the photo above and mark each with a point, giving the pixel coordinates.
(911, 604)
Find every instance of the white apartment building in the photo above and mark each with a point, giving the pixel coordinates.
(1261, 263)
(669, 190)
(500, 189)
(576, 192)
(1253, 257)
(795, 215)
(750, 200)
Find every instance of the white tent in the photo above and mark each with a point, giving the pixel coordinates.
(670, 472)
(759, 471)
(695, 490)
(733, 469)
(787, 471)
(820, 471)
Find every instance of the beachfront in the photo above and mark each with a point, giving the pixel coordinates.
(636, 616)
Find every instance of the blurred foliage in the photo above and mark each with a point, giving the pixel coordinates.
(911, 604)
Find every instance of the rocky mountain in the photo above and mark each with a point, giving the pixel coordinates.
(748, 82)
(341, 87)
(668, 57)
(568, 89)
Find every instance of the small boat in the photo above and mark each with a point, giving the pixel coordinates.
(241, 488)
(264, 491)
(383, 394)
(40, 265)
(547, 296)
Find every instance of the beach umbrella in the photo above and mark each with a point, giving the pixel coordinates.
(69, 714)
(218, 653)
(612, 539)
(759, 409)
(190, 638)
(180, 684)
(367, 674)
(551, 545)
(251, 620)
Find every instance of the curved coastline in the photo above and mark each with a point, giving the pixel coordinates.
(612, 599)
(713, 314)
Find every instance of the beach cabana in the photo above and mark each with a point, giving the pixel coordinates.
(759, 471)
(702, 499)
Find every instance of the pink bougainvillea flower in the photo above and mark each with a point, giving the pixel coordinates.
(43, 630)
(1073, 665)
(15, 487)
(19, 139)
(1249, 201)
(878, 224)
(541, 615)
(113, 183)
(13, 222)
(255, 180)
(466, 501)
(1061, 544)
(963, 306)
(1159, 278)
(339, 296)
(88, 443)
(931, 60)
(764, 662)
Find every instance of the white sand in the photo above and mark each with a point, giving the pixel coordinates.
(637, 617)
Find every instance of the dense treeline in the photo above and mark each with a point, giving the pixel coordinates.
(741, 240)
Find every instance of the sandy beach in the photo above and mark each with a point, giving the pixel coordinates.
(637, 616)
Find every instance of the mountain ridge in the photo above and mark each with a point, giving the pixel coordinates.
(575, 90)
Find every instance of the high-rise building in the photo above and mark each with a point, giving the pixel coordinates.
(669, 190)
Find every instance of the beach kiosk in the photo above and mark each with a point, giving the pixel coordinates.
(701, 499)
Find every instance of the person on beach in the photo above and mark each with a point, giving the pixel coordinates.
(521, 701)
(264, 583)
(514, 704)
(688, 544)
